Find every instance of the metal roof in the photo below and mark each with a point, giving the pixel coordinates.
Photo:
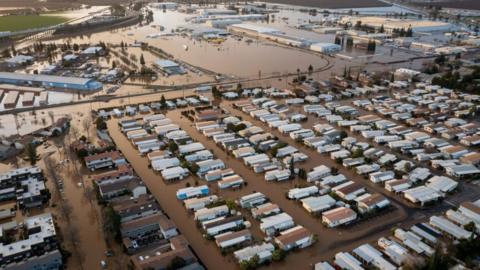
(43, 78)
(166, 63)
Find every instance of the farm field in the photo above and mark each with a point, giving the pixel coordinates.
(23, 22)
(464, 4)
(333, 3)
(54, 4)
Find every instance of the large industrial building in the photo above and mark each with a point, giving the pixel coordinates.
(241, 18)
(389, 24)
(269, 34)
(169, 67)
(48, 81)
(253, 30)
(165, 5)
(287, 40)
(214, 11)
(326, 48)
(222, 23)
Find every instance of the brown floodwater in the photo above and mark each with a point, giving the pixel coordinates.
(235, 57)
(92, 242)
(330, 240)
(27, 122)
(239, 59)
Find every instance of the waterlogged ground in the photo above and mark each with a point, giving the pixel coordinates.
(90, 240)
(238, 57)
(333, 3)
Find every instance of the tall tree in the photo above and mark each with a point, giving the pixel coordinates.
(6, 53)
(239, 88)
(31, 152)
(14, 51)
(409, 32)
(163, 102)
(382, 29)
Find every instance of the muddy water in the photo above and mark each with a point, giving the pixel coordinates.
(330, 241)
(86, 221)
(84, 225)
(27, 122)
(233, 57)
(165, 194)
(237, 57)
(92, 244)
(165, 80)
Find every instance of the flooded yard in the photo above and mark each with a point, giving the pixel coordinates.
(244, 57)
(330, 241)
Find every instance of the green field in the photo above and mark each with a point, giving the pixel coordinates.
(23, 22)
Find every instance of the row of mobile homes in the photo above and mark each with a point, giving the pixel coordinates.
(277, 175)
(264, 210)
(191, 192)
(252, 200)
(271, 225)
(338, 216)
(230, 239)
(300, 193)
(195, 204)
(231, 181)
(174, 173)
(211, 213)
(317, 173)
(295, 238)
(315, 205)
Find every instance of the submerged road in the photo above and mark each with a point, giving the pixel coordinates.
(329, 241)
(165, 89)
(165, 195)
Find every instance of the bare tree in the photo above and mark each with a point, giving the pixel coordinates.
(51, 170)
(75, 132)
(90, 194)
(15, 118)
(72, 235)
(87, 123)
(65, 209)
(52, 116)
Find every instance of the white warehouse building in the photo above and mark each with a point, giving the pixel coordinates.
(253, 30)
(327, 48)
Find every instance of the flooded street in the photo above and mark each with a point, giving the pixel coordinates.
(155, 56)
(87, 220)
(330, 241)
(80, 229)
(165, 194)
(75, 206)
(27, 122)
(243, 57)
